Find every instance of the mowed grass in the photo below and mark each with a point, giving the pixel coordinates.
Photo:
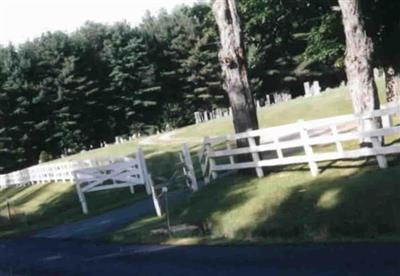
(349, 201)
(52, 204)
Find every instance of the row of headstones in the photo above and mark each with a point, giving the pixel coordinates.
(206, 116)
(121, 140)
(313, 89)
(217, 113)
(274, 98)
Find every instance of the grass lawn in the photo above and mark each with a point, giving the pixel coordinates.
(349, 201)
(237, 208)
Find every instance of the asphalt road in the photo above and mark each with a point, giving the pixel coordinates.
(36, 256)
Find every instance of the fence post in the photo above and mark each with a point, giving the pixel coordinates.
(339, 146)
(185, 171)
(189, 165)
(209, 151)
(142, 161)
(154, 196)
(255, 156)
(308, 149)
(81, 194)
(229, 147)
(278, 149)
(380, 158)
(201, 156)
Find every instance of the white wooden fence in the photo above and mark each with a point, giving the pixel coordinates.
(88, 175)
(297, 143)
(51, 172)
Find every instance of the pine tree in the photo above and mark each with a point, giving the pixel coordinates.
(132, 87)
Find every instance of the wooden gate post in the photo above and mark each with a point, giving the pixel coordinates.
(380, 158)
(156, 202)
(142, 162)
(81, 194)
(189, 165)
(229, 147)
(211, 161)
(202, 156)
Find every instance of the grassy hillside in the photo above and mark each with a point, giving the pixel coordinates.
(46, 205)
(348, 201)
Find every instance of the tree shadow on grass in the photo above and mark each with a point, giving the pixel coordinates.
(25, 195)
(215, 199)
(364, 206)
(9, 192)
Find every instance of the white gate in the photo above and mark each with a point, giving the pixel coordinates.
(124, 174)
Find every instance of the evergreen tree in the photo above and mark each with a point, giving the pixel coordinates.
(133, 88)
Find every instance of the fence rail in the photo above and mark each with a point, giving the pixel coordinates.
(297, 143)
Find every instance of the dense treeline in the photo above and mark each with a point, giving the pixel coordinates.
(72, 91)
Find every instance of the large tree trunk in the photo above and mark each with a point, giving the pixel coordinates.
(392, 78)
(234, 67)
(359, 50)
